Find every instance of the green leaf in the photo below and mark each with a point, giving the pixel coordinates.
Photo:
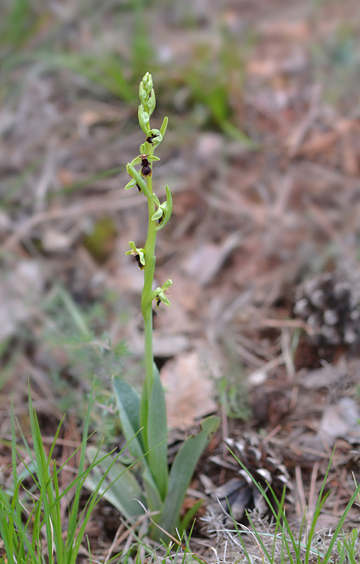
(164, 126)
(181, 472)
(152, 493)
(157, 436)
(128, 401)
(124, 490)
(138, 179)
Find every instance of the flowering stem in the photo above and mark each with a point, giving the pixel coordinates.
(164, 491)
(146, 301)
(158, 216)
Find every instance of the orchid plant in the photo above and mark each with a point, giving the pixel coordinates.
(143, 417)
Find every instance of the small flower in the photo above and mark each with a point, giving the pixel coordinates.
(163, 212)
(150, 138)
(138, 253)
(159, 294)
(154, 137)
(145, 161)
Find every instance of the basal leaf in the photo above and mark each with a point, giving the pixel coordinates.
(156, 432)
(128, 401)
(124, 490)
(154, 500)
(181, 472)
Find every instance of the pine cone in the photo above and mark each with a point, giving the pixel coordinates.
(330, 307)
(241, 494)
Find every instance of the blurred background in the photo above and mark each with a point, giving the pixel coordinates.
(262, 155)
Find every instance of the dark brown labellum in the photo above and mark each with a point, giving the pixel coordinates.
(140, 265)
(145, 166)
(146, 170)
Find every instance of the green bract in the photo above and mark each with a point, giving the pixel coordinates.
(143, 417)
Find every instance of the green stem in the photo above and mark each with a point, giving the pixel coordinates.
(146, 303)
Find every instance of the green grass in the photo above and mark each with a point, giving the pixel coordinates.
(18, 20)
(32, 526)
(281, 541)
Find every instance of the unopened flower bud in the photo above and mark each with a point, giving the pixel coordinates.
(142, 94)
(151, 102)
(144, 118)
(147, 82)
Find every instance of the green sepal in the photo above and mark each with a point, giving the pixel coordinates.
(138, 159)
(163, 299)
(158, 214)
(181, 473)
(130, 184)
(155, 133)
(135, 161)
